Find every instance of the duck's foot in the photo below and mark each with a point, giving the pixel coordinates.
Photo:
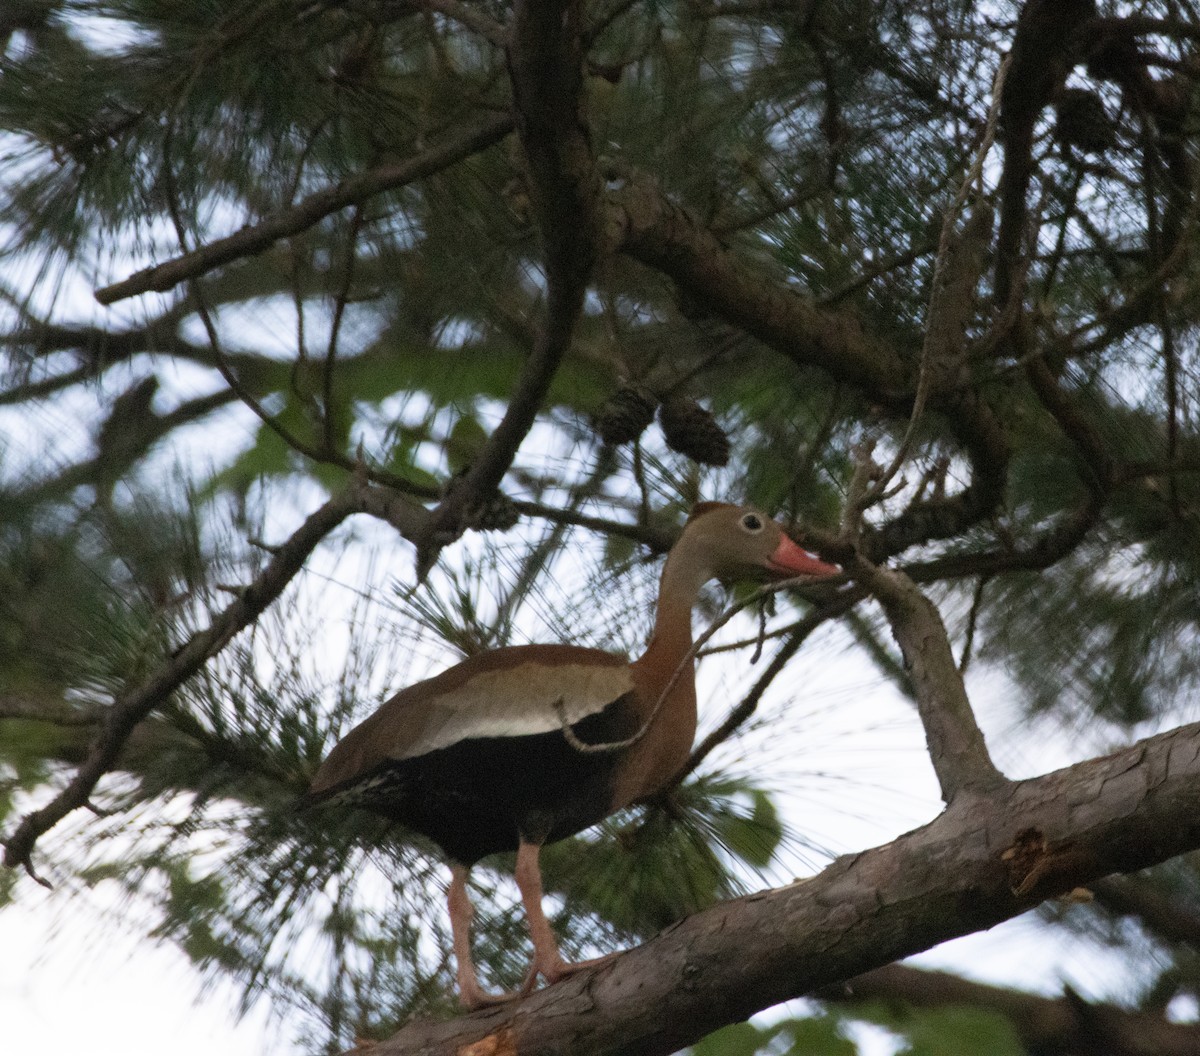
(554, 968)
(474, 997)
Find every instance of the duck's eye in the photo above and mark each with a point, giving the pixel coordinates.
(752, 522)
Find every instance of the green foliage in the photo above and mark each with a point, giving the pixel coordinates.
(946, 1031)
(1109, 643)
(819, 1035)
(640, 872)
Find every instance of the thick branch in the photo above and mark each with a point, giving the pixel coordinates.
(1050, 1026)
(956, 746)
(257, 237)
(982, 861)
(646, 225)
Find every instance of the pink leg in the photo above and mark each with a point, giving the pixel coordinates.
(547, 961)
(470, 993)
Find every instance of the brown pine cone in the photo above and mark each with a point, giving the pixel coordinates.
(625, 415)
(689, 429)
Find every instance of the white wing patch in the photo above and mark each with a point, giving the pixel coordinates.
(513, 702)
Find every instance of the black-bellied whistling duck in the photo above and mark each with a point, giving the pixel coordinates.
(477, 759)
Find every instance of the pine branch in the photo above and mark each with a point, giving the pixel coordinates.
(985, 859)
(308, 212)
(53, 710)
(1044, 50)
(474, 20)
(139, 435)
(643, 223)
(1070, 417)
(799, 633)
(139, 702)
(1044, 551)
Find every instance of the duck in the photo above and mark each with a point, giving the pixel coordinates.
(520, 746)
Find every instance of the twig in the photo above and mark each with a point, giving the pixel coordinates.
(52, 711)
(658, 538)
(546, 547)
(859, 493)
(1046, 550)
(335, 330)
(839, 604)
(761, 638)
(474, 20)
(1090, 445)
(972, 622)
(145, 433)
(210, 328)
(605, 19)
(900, 260)
(954, 255)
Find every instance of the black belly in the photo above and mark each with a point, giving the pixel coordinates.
(483, 795)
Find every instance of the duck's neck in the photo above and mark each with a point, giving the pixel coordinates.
(664, 683)
(681, 581)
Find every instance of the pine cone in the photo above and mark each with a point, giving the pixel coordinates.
(498, 514)
(689, 429)
(625, 415)
(1083, 122)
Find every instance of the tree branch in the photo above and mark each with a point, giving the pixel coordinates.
(1042, 57)
(799, 632)
(982, 861)
(54, 710)
(476, 21)
(1165, 917)
(257, 237)
(137, 703)
(545, 60)
(142, 433)
(644, 224)
(956, 746)
(1050, 1026)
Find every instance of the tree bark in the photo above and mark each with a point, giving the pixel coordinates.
(985, 859)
